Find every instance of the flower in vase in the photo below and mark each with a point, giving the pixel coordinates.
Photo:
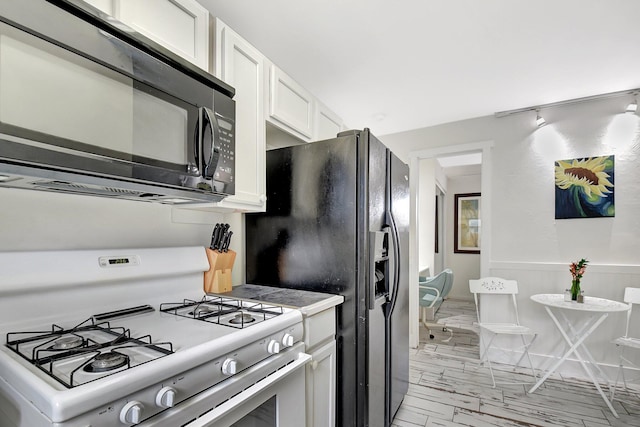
(577, 270)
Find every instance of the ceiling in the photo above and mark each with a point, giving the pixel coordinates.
(400, 65)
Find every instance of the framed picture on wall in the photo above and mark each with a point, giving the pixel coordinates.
(467, 230)
(584, 187)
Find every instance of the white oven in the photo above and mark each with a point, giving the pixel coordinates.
(112, 338)
(277, 400)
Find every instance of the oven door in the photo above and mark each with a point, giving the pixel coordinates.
(256, 397)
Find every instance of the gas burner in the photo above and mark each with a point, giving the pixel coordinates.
(230, 312)
(202, 310)
(107, 361)
(242, 318)
(86, 352)
(67, 343)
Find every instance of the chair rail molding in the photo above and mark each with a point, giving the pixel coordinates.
(594, 268)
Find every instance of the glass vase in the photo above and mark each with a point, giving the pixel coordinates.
(575, 289)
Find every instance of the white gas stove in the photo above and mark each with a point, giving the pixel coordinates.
(126, 337)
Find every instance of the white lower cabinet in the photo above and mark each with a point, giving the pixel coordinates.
(321, 386)
(321, 374)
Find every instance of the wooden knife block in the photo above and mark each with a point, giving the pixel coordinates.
(218, 278)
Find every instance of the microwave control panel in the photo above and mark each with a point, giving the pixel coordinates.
(225, 109)
(226, 145)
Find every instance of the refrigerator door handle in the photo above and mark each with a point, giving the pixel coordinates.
(395, 238)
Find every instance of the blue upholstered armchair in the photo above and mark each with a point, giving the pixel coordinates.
(432, 291)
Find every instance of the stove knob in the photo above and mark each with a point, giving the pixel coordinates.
(131, 413)
(229, 366)
(287, 340)
(273, 347)
(166, 397)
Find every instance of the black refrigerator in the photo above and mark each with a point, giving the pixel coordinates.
(337, 221)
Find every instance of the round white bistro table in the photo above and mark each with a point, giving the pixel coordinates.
(595, 311)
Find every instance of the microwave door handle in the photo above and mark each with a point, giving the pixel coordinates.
(209, 164)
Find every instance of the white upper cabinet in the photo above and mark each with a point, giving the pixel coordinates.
(181, 26)
(327, 123)
(242, 66)
(290, 105)
(106, 6)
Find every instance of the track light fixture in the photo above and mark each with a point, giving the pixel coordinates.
(633, 106)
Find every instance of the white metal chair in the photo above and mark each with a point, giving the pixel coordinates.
(486, 291)
(631, 297)
(432, 292)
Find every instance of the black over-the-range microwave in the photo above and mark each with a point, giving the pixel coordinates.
(89, 106)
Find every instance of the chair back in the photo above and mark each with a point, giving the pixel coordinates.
(494, 286)
(438, 281)
(631, 296)
(448, 284)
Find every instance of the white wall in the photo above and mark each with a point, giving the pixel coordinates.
(528, 244)
(431, 175)
(464, 266)
(35, 220)
(426, 215)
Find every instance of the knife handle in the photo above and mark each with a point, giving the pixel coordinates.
(214, 236)
(227, 241)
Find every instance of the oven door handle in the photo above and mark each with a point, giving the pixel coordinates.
(208, 419)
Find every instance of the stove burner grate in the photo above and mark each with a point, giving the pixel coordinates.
(40, 347)
(215, 310)
(81, 345)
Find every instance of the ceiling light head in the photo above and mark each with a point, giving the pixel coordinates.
(540, 121)
(633, 105)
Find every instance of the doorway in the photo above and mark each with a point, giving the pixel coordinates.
(440, 237)
(422, 237)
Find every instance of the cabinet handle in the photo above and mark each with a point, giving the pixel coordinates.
(314, 365)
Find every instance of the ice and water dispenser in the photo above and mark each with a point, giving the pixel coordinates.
(379, 253)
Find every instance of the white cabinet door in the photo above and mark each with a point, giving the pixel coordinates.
(290, 105)
(181, 26)
(321, 387)
(241, 65)
(106, 6)
(328, 124)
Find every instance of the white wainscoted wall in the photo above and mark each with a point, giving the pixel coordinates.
(527, 242)
(601, 280)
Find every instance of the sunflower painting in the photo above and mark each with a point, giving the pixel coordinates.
(584, 188)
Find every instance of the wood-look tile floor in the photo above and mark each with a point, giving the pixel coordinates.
(448, 387)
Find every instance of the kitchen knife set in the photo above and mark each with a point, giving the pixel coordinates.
(221, 238)
(218, 278)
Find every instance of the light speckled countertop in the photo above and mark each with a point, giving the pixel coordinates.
(309, 303)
